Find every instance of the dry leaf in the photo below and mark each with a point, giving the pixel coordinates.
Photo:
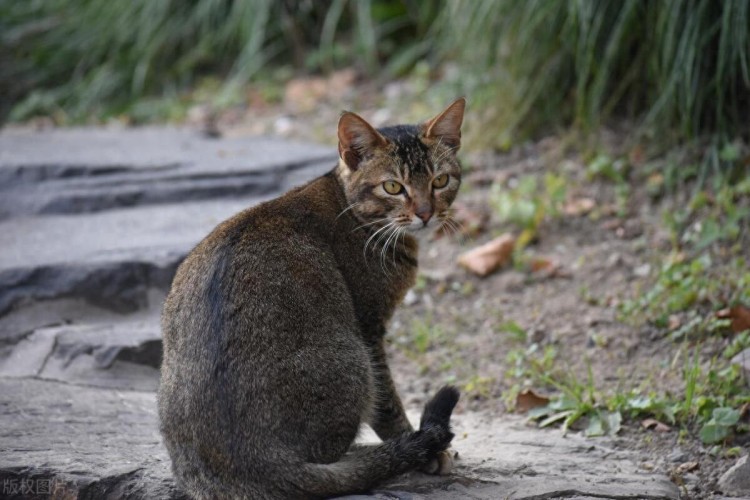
(611, 224)
(674, 322)
(653, 424)
(542, 264)
(528, 399)
(687, 467)
(745, 411)
(489, 257)
(487, 178)
(579, 206)
(740, 316)
(547, 268)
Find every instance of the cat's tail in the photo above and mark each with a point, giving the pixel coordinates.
(365, 467)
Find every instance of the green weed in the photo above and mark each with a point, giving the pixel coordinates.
(479, 386)
(527, 204)
(615, 171)
(707, 269)
(422, 335)
(709, 401)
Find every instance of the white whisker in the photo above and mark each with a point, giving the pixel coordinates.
(384, 247)
(369, 223)
(446, 153)
(440, 141)
(364, 250)
(347, 209)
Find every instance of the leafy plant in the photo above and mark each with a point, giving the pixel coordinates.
(528, 204)
(615, 171)
(707, 269)
(719, 427)
(710, 398)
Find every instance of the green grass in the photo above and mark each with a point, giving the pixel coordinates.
(78, 59)
(680, 68)
(708, 403)
(706, 268)
(527, 204)
(705, 271)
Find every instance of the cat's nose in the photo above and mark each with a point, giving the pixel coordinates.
(425, 214)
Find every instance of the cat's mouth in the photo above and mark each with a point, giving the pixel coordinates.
(418, 226)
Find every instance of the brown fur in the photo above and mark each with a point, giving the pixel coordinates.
(274, 326)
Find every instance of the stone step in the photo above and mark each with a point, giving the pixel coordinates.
(121, 355)
(108, 215)
(84, 442)
(111, 259)
(85, 170)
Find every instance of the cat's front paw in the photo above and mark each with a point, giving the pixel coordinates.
(442, 464)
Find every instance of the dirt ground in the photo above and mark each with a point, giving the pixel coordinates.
(453, 327)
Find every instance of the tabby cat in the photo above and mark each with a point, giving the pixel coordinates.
(274, 327)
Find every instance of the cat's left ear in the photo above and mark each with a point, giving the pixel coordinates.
(357, 139)
(446, 127)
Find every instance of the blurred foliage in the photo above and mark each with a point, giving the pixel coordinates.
(91, 57)
(674, 65)
(527, 203)
(680, 68)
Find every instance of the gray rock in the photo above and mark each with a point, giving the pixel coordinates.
(81, 442)
(107, 215)
(678, 456)
(122, 355)
(503, 458)
(85, 170)
(100, 443)
(736, 480)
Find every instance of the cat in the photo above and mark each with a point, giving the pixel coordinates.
(274, 326)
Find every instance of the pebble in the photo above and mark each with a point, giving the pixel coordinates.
(677, 456)
(736, 481)
(690, 477)
(411, 298)
(642, 271)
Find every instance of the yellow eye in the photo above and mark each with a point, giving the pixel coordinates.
(392, 187)
(440, 181)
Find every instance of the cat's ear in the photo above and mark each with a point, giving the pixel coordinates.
(446, 127)
(357, 138)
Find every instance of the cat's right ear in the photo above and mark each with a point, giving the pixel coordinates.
(356, 139)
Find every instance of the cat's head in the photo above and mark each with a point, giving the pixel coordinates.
(404, 177)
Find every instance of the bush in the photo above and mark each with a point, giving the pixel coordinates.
(674, 65)
(679, 67)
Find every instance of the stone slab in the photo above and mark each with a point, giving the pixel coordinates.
(76, 149)
(102, 443)
(107, 214)
(87, 170)
(82, 442)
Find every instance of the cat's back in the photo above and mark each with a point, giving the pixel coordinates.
(272, 259)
